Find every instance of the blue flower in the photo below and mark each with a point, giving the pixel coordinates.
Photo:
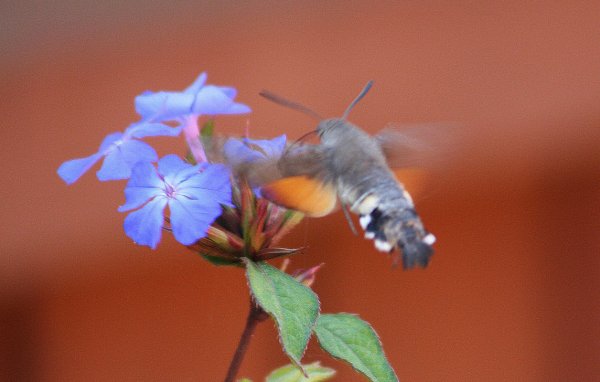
(121, 151)
(194, 195)
(246, 150)
(186, 106)
(196, 100)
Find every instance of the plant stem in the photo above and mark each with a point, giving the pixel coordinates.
(255, 315)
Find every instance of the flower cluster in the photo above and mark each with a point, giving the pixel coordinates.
(212, 209)
(194, 193)
(249, 229)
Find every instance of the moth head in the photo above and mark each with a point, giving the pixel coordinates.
(329, 127)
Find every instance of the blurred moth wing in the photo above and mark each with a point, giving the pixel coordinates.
(308, 195)
(418, 146)
(296, 180)
(416, 152)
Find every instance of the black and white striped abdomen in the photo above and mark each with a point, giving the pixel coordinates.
(388, 216)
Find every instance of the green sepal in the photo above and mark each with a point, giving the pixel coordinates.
(290, 219)
(274, 253)
(248, 213)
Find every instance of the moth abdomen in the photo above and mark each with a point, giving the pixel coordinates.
(389, 218)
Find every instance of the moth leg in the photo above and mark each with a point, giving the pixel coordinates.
(349, 219)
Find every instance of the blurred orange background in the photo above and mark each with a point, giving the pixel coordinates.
(513, 290)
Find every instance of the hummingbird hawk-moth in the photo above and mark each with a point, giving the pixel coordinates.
(353, 167)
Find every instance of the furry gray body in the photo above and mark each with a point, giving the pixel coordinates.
(356, 165)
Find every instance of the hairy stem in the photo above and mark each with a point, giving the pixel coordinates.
(255, 315)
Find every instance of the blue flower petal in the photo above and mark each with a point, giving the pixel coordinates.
(197, 85)
(170, 165)
(144, 225)
(191, 218)
(214, 177)
(185, 175)
(114, 167)
(212, 188)
(237, 108)
(212, 100)
(135, 151)
(121, 159)
(271, 148)
(141, 130)
(108, 141)
(199, 202)
(72, 170)
(238, 151)
(228, 91)
(143, 185)
(209, 197)
(163, 106)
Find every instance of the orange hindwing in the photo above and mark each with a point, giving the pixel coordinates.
(302, 193)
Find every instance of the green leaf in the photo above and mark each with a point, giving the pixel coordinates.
(293, 306)
(290, 373)
(244, 380)
(347, 337)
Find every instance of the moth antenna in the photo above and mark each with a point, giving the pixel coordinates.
(287, 103)
(358, 98)
(349, 220)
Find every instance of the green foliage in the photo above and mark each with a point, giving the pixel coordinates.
(293, 306)
(290, 373)
(347, 337)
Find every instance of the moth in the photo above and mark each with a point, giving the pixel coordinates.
(351, 168)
